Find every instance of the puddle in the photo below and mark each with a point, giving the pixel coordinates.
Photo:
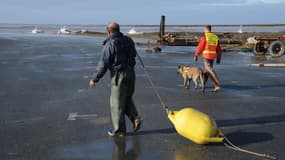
(22, 79)
(100, 149)
(24, 121)
(81, 90)
(160, 67)
(86, 77)
(236, 91)
(72, 69)
(101, 121)
(248, 54)
(115, 148)
(78, 68)
(180, 85)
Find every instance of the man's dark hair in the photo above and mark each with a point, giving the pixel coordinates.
(113, 27)
(208, 27)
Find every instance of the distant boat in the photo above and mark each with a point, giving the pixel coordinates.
(83, 31)
(63, 30)
(36, 30)
(133, 31)
(240, 29)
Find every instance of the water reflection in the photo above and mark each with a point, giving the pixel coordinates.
(190, 152)
(121, 150)
(266, 59)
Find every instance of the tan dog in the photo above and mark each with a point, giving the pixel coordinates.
(188, 73)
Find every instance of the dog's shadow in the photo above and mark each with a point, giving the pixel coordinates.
(248, 87)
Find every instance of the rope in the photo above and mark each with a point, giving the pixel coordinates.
(153, 85)
(236, 148)
(229, 145)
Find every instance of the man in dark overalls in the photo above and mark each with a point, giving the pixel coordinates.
(118, 56)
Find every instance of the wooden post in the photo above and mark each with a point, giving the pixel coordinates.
(162, 27)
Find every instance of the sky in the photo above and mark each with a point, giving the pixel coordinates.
(147, 12)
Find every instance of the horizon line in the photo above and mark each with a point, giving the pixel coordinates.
(179, 25)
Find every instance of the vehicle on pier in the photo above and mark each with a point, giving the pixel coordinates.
(275, 46)
(182, 39)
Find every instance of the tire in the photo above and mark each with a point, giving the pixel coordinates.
(157, 50)
(276, 48)
(259, 49)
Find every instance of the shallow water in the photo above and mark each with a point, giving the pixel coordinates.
(53, 28)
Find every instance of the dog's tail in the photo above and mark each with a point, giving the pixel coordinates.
(202, 80)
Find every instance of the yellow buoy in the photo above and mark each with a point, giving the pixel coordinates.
(196, 126)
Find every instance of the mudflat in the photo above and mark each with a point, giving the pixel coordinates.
(44, 82)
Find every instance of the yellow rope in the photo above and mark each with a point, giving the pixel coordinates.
(234, 147)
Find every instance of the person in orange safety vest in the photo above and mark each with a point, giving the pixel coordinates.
(210, 49)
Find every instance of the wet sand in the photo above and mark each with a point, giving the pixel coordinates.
(45, 78)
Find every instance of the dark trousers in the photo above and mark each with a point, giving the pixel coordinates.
(121, 100)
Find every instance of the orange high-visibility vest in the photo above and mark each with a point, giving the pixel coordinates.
(210, 50)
